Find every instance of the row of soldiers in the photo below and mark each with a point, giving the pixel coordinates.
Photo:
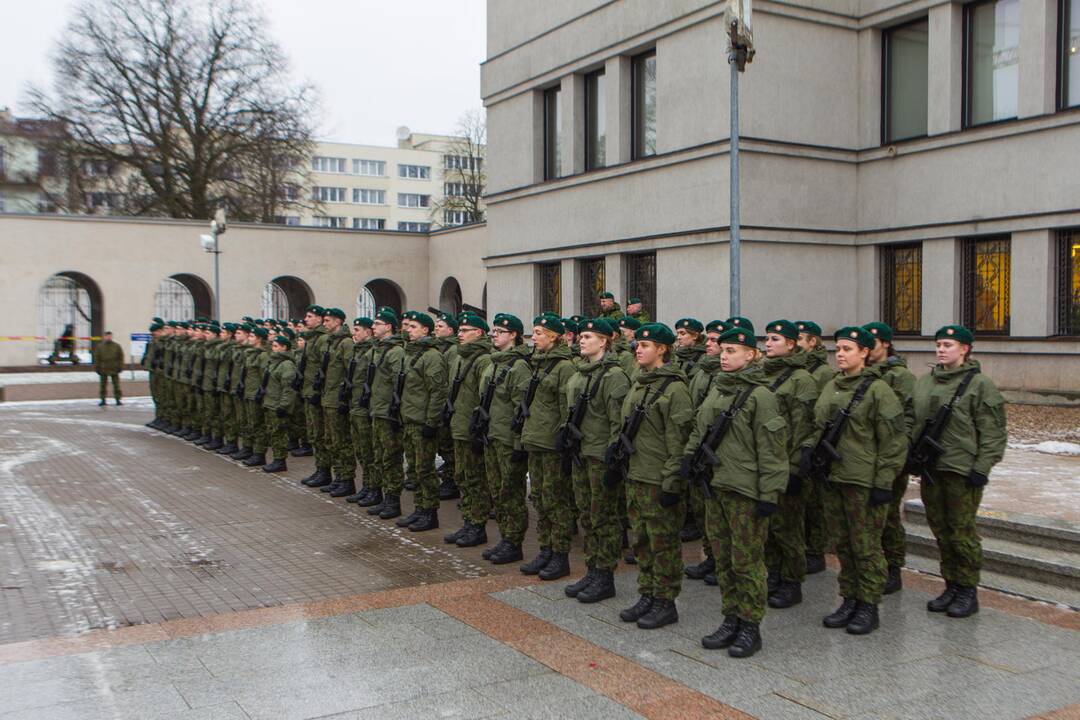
(608, 422)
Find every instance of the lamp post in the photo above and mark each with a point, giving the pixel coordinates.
(740, 52)
(210, 245)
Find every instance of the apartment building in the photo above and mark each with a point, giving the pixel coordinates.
(29, 175)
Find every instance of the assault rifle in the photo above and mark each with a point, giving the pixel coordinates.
(298, 380)
(345, 391)
(261, 392)
(480, 420)
(227, 385)
(521, 414)
(572, 429)
(704, 458)
(623, 448)
(395, 399)
(928, 449)
(455, 388)
(240, 385)
(320, 378)
(825, 453)
(365, 391)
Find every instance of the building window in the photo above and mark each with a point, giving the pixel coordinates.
(641, 280)
(372, 168)
(290, 193)
(462, 162)
(901, 288)
(991, 61)
(414, 172)
(1069, 51)
(412, 200)
(3, 200)
(986, 284)
(329, 222)
(1068, 285)
(368, 197)
(368, 224)
(328, 164)
(905, 73)
(595, 122)
(291, 220)
(592, 284)
(414, 226)
(643, 98)
(552, 136)
(458, 217)
(549, 282)
(328, 194)
(458, 189)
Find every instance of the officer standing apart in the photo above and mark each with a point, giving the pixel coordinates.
(108, 362)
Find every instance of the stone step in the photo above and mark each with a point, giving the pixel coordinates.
(1044, 532)
(1031, 589)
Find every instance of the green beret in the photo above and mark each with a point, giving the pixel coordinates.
(335, 312)
(740, 322)
(601, 326)
(879, 330)
(183, 324)
(155, 327)
(246, 318)
(258, 321)
(784, 327)
(717, 326)
(288, 332)
(628, 322)
(157, 321)
(578, 318)
(201, 319)
(387, 316)
(362, 322)
(739, 336)
(634, 301)
(313, 309)
(570, 324)
(691, 324)
(606, 296)
(958, 333)
(247, 327)
(282, 340)
(171, 323)
(450, 320)
(656, 332)
(509, 322)
(424, 319)
(551, 322)
(261, 333)
(474, 321)
(856, 334)
(809, 327)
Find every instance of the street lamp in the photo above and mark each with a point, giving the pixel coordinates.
(210, 245)
(740, 52)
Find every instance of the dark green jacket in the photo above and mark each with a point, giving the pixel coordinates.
(625, 353)
(819, 367)
(425, 382)
(314, 342)
(753, 453)
(613, 314)
(894, 371)
(661, 441)
(707, 367)
(795, 399)
(603, 413)
(108, 357)
(548, 409)
(509, 392)
(185, 372)
(469, 360)
(976, 435)
(339, 345)
(689, 359)
(448, 347)
(279, 392)
(362, 352)
(387, 356)
(873, 447)
(210, 362)
(255, 360)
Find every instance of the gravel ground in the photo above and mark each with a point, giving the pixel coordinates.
(1037, 423)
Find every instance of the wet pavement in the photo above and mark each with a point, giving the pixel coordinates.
(141, 577)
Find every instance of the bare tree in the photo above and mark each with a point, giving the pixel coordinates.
(464, 176)
(187, 102)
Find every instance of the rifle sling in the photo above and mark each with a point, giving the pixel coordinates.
(646, 407)
(782, 379)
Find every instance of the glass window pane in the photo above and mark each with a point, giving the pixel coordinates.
(901, 269)
(1070, 54)
(552, 141)
(595, 125)
(907, 72)
(644, 93)
(993, 72)
(987, 285)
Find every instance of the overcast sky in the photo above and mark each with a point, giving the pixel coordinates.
(377, 64)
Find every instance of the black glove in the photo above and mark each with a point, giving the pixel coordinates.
(684, 466)
(806, 456)
(428, 431)
(519, 455)
(880, 496)
(764, 509)
(794, 485)
(612, 477)
(560, 440)
(342, 409)
(609, 453)
(315, 399)
(669, 499)
(977, 479)
(280, 412)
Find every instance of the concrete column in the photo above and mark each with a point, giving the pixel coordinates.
(570, 287)
(1038, 57)
(1032, 283)
(870, 88)
(868, 292)
(617, 88)
(572, 97)
(614, 277)
(940, 283)
(945, 101)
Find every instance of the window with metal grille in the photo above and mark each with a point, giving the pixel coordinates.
(901, 288)
(641, 280)
(1068, 284)
(592, 284)
(549, 281)
(986, 284)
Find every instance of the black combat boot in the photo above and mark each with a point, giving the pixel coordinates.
(690, 532)
(376, 508)
(815, 564)
(488, 552)
(391, 507)
(227, 449)
(724, 635)
(203, 439)
(842, 615)
(710, 579)
(291, 445)
(703, 568)
(558, 567)
(965, 603)
(324, 479)
(335, 483)
(409, 519)
(601, 588)
(344, 488)
(448, 489)
(577, 586)
(314, 476)
(637, 610)
(538, 563)
(302, 451)
(428, 520)
(510, 553)
(410, 486)
(748, 641)
(242, 454)
(374, 499)
(256, 460)
(894, 582)
(278, 465)
(630, 558)
(865, 619)
(451, 538)
(663, 612)
(358, 495)
(213, 445)
(102, 403)
(474, 535)
(942, 602)
(773, 581)
(191, 434)
(787, 595)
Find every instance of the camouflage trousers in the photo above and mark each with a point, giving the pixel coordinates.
(228, 418)
(257, 431)
(552, 499)
(785, 549)
(814, 518)
(388, 452)
(951, 507)
(279, 433)
(211, 414)
(446, 451)
(855, 529)
(339, 444)
(738, 537)
(506, 481)
(104, 380)
(471, 481)
(316, 435)
(599, 514)
(893, 538)
(240, 418)
(695, 502)
(297, 422)
(655, 537)
(360, 432)
(420, 453)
